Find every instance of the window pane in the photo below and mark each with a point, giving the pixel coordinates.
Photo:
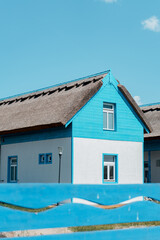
(146, 164)
(49, 158)
(107, 106)
(105, 173)
(158, 163)
(12, 173)
(104, 120)
(15, 173)
(146, 174)
(13, 161)
(109, 158)
(111, 172)
(42, 158)
(110, 121)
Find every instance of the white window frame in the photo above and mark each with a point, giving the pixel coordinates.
(107, 111)
(110, 164)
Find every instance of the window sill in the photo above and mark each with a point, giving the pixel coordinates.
(110, 182)
(112, 130)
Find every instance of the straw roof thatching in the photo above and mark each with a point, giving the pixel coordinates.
(54, 106)
(152, 113)
(136, 108)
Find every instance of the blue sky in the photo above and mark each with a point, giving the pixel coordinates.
(45, 42)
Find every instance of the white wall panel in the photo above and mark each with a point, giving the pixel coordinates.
(88, 160)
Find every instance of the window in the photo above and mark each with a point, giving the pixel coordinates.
(109, 171)
(48, 158)
(12, 169)
(41, 158)
(146, 171)
(158, 163)
(108, 116)
(45, 158)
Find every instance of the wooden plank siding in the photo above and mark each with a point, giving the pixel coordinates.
(36, 197)
(88, 123)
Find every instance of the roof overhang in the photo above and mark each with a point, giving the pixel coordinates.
(136, 108)
(29, 129)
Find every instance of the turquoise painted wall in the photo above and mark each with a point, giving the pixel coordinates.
(88, 122)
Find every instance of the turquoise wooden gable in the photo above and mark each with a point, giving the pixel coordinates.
(88, 122)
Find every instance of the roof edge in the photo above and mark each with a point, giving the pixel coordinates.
(33, 128)
(150, 138)
(150, 104)
(52, 86)
(135, 107)
(85, 100)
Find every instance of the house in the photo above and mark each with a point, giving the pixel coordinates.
(93, 119)
(152, 143)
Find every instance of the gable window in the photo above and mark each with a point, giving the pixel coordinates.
(45, 158)
(109, 171)
(108, 116)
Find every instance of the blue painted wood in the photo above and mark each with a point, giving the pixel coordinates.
(122, 234)
(29, 195)
(71, 214)
(88, 122)
(78, 215)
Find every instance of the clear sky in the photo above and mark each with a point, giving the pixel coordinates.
(45, 42)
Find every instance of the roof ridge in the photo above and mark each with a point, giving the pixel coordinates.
(150, 104)
(52, 86)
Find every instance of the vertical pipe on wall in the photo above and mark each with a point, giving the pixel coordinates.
(59, 175)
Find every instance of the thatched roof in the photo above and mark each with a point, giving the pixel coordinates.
(135, 107)
(152, 113)
(53, 106)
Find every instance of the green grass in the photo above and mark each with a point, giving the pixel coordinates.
(114, 226)
(33, 210)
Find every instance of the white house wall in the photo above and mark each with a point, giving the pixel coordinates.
(88, 157)
(29, 169)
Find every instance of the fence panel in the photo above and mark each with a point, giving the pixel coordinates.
(37, 206)
(123, 234)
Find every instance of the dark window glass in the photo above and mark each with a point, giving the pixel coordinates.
(111, 172)
(105, 172)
